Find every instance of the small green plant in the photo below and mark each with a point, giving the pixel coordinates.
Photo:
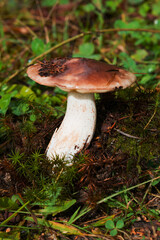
(87, 50)
(114, 227)
(38, 46)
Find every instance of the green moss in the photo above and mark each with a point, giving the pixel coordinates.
(137, 120)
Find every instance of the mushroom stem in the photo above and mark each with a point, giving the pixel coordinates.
(77, 128)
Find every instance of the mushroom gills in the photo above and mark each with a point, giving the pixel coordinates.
(77, 128)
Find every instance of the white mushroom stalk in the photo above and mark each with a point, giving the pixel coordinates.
(77, 128)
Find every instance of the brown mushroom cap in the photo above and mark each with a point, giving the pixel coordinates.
(81, 75)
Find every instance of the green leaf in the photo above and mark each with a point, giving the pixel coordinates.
(38, 46)
(11, 235)
(156, 8)
(59, 91)
(26, 92)
(135, 2)
(157, 23)
(7, 203)
(5, 101)
(95, 56)
(89, 7)
(121, 24)
(120, 224)
(130, 214)
(128, 62)
(57, 209)
(63, 2)
(113, 232)
(99, 5)
(77, 214)
(145, 79)
(64, 228)
(102, 221)
(87, 48)
(151, 68)
(155, 182)
(140, 54)
(48, 3)
(134, 24)
(17, 197)
(33, 117)
(20, 108)
(109, 224)
(111, 6)
(144, 9)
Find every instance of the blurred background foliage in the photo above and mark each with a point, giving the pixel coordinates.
(30, 28)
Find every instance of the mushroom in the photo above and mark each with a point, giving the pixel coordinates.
(82, 78)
